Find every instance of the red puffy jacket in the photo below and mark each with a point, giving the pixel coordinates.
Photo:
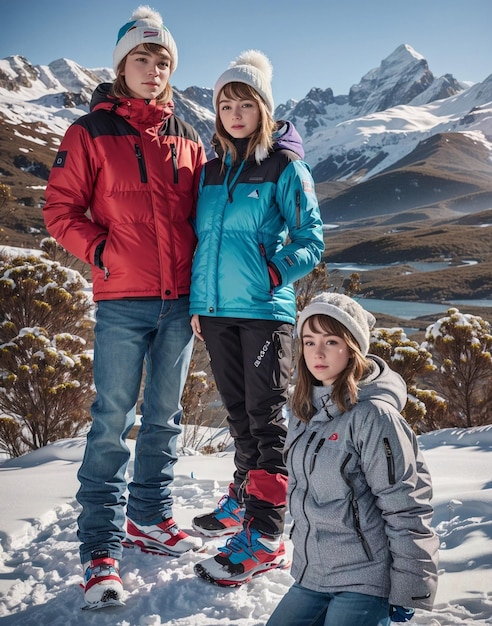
(127, 174)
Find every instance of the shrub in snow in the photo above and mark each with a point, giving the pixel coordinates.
(45, 364)
(461, 345)
(424, 410)
(53, 251)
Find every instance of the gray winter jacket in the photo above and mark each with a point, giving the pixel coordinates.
(359, 495)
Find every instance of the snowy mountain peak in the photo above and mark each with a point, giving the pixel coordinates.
(403, 55)
(73, 77)
(346, 137)
(400, 77)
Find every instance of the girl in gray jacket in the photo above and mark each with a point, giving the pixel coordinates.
(359, 490)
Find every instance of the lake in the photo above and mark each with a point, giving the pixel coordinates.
(417, 265)
(410, 310)
(402, 308)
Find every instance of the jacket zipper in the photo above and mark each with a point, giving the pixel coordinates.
(263, 254)
(390, 460)
(298, 208)
(355, 510)
(317, 449)
(309, 441)
(230, 186)
(174, 156)
(141, 164)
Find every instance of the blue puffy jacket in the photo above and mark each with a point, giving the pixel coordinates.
(244, 215)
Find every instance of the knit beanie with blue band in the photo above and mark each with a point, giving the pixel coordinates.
(145, 26)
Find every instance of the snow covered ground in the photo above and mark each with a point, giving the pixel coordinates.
(40, 571)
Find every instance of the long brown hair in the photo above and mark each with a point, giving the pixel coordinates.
(345, 388)
(262, 138)
(120, 88)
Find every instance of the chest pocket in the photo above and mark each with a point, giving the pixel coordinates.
(325, 474)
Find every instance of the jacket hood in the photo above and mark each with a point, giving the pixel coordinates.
(382, 383)
(102, 94)
(286, 137)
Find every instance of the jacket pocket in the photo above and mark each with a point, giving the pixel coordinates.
(390, 460)
(354, 505)
(264, 268)
(281, 359)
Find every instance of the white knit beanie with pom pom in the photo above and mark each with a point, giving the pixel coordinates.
(253, 68)
(145, 26)
(344, 309)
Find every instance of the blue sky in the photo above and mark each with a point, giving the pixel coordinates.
(311, 43)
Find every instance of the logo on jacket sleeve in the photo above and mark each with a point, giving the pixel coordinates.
(333, 437)
(254, 194)
(306, 186)
(60, 159)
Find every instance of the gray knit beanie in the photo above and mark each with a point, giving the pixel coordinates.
(344, 309)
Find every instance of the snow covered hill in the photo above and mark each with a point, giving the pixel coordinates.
(40, 571)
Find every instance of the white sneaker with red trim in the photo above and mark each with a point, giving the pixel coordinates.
(165, 538)
(102, 583)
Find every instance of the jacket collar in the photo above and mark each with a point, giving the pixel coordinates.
(135, 110)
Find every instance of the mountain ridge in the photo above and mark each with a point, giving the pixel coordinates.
(399, 131)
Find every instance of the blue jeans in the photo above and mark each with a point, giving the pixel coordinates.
(303, 607)
(131, 335)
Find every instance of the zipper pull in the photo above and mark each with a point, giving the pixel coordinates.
(316, 450)
(242, 489)
(390, 460)
(174, 156)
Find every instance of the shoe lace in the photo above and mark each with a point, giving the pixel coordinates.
(227, 504)
(105, 568)
(173, 528)
(243, 541)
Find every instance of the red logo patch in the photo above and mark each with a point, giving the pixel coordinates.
(333, 437)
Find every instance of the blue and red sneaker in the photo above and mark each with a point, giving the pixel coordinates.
(245, 555)
(226, 519)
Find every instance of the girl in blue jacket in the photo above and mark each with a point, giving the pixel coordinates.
(259, 230)
(359, 490)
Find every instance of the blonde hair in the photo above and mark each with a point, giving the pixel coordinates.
(120, 88)
(345, 389)
(261, 141)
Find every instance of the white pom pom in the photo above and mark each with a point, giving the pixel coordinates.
(144, 12)
(256, 59)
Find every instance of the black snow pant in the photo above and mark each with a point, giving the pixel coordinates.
(251, 362)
